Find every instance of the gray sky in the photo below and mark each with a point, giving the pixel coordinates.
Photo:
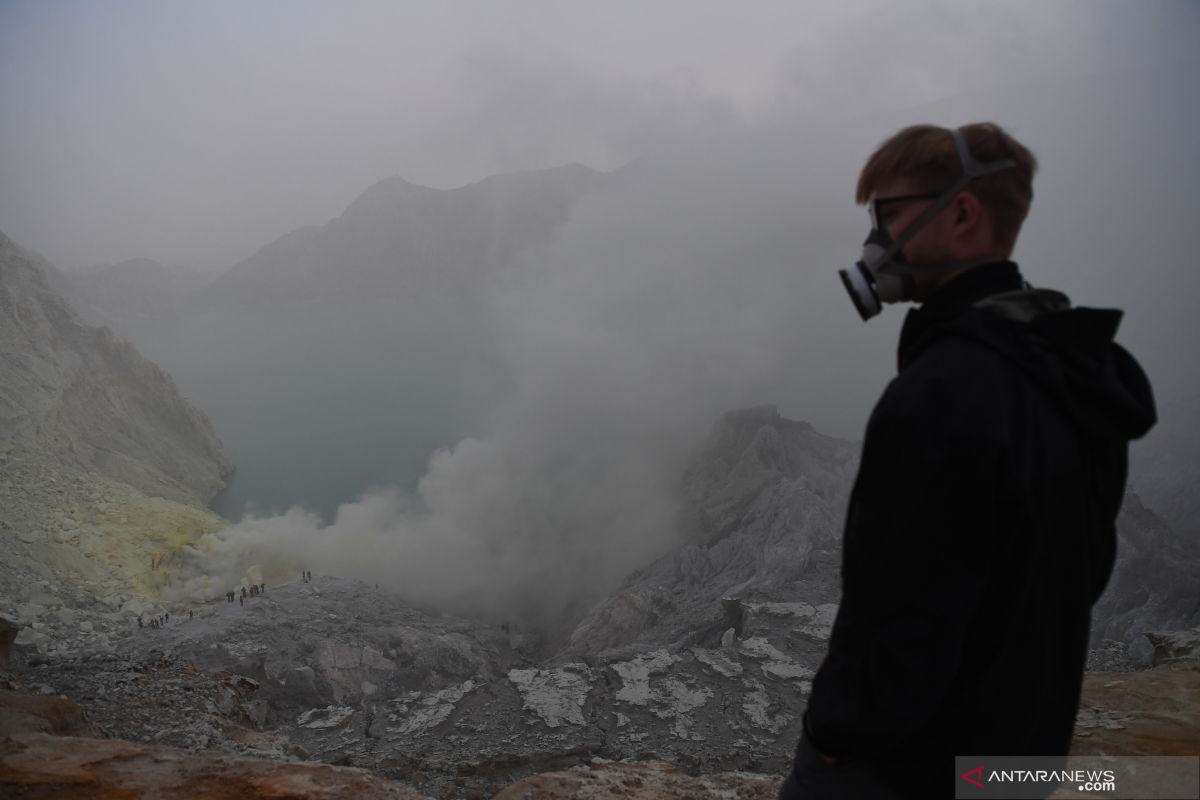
(198, 132)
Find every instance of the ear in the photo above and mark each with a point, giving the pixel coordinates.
(968, 214)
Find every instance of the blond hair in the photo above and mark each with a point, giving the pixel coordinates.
(926, 155)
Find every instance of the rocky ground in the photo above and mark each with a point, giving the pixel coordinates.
(659, 725)
(59, 768)
(339, 672)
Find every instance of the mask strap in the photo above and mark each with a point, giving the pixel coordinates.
(971, 169)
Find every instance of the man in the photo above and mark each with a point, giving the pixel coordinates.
(981, 525)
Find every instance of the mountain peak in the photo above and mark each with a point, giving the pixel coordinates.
(398, 239)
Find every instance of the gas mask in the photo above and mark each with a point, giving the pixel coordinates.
(882, 275)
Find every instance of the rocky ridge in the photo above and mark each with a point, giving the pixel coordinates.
(766, 496)
(1153, 585)
(104, 466)
(79, 398)
(399, 240)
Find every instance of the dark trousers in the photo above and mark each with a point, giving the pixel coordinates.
(813, 779)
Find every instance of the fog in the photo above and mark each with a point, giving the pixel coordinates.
(195, 133)
(702, 278)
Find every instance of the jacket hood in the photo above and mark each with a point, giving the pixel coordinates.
(1071, 354)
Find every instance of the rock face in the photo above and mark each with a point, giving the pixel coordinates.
(104, 466)
(79, 398)
(1165, 468)
(1176, 648)
(1154, 584)
(767, 496)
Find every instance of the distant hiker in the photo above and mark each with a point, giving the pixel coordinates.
(139, 620)
(168, 616)
(241, 601)
(981, 526)
(263, 589)
(190, 614)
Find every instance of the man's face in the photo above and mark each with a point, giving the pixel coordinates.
(931, 245)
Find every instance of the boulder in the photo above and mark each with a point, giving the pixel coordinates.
(1178, 648)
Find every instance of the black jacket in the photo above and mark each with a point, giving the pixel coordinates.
(981, 529)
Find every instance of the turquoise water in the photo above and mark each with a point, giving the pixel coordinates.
(316, 405)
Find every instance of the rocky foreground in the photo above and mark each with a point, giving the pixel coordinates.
(338, 672)
(308, 690)
(47, 750)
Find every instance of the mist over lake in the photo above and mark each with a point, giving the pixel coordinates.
(317, 404)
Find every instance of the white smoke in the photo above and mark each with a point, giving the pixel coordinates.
(623, 340)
